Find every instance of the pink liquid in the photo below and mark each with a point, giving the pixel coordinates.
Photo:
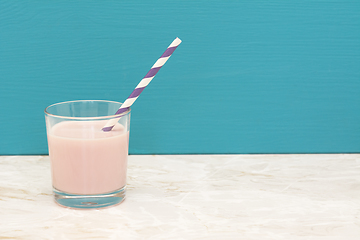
(86, 160)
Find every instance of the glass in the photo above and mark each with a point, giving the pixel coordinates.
(88, 165)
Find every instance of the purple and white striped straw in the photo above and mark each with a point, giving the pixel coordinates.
(143, 83)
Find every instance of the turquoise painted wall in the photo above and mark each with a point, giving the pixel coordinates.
(250, 76)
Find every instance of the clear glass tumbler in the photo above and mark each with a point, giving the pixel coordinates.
(88, 165)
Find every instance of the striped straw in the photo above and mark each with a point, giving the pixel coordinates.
(143, 83)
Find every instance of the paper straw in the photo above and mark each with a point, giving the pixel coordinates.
(143, 83)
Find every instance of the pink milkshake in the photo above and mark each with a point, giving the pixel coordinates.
(86, 160)
(88, 164)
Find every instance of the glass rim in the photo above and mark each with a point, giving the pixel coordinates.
(86, 118)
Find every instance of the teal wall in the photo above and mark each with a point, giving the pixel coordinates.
(249, 77)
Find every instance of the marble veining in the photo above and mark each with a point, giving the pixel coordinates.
(315, 196)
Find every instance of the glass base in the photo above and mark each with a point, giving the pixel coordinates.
(89, 201)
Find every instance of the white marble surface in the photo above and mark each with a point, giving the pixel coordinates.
(194, 197)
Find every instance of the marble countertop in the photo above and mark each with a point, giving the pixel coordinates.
(194, 197)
